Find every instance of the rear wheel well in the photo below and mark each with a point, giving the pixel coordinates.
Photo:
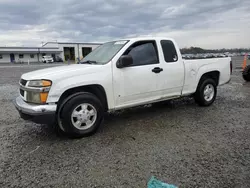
(215, 75)
(95, 89)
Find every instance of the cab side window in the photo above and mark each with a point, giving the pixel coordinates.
(169, 51)
(143, 53)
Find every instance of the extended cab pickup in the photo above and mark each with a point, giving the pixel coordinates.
(117, 75)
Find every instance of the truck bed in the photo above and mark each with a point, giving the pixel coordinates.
(195, 68)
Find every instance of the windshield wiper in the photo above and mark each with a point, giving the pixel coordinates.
(88, 62)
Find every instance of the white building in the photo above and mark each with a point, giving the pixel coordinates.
(67, 51)
(72, 51)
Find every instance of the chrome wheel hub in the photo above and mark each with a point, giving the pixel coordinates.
(84, 116)
(209, 92)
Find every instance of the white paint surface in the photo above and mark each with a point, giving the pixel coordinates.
(132, 86)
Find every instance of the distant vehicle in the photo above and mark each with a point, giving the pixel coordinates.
(47, 59)
(19, 61)
(117, 75)
(221, 55)
(216, 55)
(57, 59)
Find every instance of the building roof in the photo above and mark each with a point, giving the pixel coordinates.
(87, 43)
(22, 49)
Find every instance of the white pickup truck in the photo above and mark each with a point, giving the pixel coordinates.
(117, 75)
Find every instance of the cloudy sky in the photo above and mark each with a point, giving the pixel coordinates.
(204, 23)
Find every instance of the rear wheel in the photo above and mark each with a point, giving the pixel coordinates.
(246, 73)
(206, 92)
(81, 115)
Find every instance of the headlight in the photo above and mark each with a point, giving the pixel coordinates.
(33, 97)
(39, 83)
(37, 97)
(39, 92)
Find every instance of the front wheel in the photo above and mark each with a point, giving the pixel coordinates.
(206, 92)
(82, 115)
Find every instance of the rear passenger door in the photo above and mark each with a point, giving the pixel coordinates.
(171, 79)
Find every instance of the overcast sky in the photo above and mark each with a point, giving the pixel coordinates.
(204, 23)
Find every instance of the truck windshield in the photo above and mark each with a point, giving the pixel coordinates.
(104, 53)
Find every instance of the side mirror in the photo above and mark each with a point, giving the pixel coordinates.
(124, 61)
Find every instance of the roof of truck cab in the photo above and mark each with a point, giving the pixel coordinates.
(147, 38)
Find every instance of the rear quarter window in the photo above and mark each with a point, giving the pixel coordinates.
(169, 51)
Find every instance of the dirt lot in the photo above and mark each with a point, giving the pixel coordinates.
(179, 143)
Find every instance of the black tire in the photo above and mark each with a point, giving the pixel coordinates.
(68, 108)
(246, 73)
(59, 132)
(199, 94)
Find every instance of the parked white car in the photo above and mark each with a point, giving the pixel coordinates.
(47, 59)
(117, 75)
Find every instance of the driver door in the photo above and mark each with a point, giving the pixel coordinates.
(136, 83)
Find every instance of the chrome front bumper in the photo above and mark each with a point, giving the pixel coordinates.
(42, 114)
(33, 109)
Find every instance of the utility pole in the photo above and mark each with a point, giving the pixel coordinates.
(78, 52)
(38, 55)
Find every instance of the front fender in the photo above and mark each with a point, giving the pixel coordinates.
(58, 88)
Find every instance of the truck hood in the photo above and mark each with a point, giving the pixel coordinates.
(60, 72)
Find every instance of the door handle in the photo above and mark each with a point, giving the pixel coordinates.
(157, 70)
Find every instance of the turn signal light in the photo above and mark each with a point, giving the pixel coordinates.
(46, 83)
(43, 97)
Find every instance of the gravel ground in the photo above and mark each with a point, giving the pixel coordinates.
(179, 143)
